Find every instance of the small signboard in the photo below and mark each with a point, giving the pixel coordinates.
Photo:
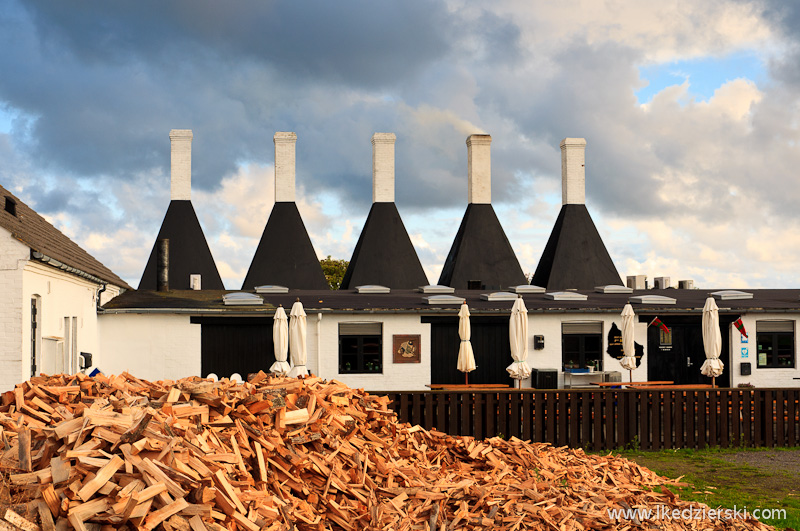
(406, 348)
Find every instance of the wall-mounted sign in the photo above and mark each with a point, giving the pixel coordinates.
(406, 348)
(745, 352)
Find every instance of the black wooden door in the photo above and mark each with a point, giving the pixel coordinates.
(235, 345)
(490, 344)
(681, 358)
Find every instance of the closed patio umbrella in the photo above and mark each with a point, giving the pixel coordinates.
(518, 338)
(297, 340)
(280, 340)
(628, 360)
(712, 341)
(466, 358)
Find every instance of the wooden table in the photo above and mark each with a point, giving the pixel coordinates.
(666, 387)
(633, 384)
(466, 387)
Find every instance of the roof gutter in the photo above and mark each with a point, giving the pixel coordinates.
(64, 267)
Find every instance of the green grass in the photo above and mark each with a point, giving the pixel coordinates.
(720, 483)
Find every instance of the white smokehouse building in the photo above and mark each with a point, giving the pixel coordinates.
(386, 330)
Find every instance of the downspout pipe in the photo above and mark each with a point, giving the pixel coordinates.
(319, 342)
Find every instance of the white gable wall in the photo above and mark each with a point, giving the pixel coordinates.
(149, 346)
(13, 256)
(67, 304)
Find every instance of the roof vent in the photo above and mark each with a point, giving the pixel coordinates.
(566, 296)
(271, 289)
(240, 298)
(443, 299)
(661, 283)
(686, 284)
(11, 206)
(613, 289)
(731, 295)
(526, 288)
(637, 281)
(499, 296)
(372, 288)
(651, 299)
(436, 288)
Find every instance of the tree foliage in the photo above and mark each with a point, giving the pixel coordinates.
(334, 271)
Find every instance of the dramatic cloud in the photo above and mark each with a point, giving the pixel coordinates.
(688, 184)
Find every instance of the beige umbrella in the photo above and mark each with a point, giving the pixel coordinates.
(297, 340)
(518, 338)
(280, 339)
(628, 360)
(466, 358)
(712, 341)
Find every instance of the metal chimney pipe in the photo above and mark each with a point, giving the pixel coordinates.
(162, 265)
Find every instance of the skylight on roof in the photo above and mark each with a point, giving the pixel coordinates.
(565, 296)
(651, 299)
(499, 296)
(372, 288)
(241, 298)
(271, 289)
(443, 299)
(731, 295)
(526, 288)
(613, 288)
(436, 288)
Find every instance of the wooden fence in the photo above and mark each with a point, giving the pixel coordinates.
(612, 418)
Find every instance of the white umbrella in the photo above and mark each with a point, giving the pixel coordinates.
(628, 360)
(518, 337)
(297, 340)
(466, 358)
(712, 341)
(280, 339)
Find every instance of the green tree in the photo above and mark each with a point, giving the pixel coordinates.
(334, 271)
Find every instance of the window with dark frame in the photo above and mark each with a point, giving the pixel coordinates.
(775, 344)
(360, 348)
(582, 345)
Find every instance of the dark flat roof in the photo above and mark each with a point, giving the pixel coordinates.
(411, 301)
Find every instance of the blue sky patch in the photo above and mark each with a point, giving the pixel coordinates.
(705, 75)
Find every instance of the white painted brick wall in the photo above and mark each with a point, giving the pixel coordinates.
(573, 171)
(181, 159)
(13, 256)
(383, 167)
(285, 166)
(479, 169)
(759, 377)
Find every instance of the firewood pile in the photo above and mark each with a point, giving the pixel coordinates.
(280, 454)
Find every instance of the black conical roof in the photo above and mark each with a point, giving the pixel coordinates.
(575, 256)
(384, 254)
(188, 251)
(285, 256)
(481, 252)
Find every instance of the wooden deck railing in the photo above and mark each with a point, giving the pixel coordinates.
(603, 419)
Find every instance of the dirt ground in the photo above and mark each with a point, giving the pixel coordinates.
(783, 462)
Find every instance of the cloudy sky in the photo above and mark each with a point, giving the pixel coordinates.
(690, 110)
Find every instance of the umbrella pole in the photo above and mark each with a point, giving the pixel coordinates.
(713, 381)
(630, 375)
(466, 378)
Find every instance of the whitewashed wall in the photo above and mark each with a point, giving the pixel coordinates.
(149, 346)
(549, 326)
(60, 294)
(13, 256)
(395, 376)
(760, 377)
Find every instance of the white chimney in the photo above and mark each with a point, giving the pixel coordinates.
(383, 167)
(573, 171)
(284, 166)
(479, 169)
(181, 170)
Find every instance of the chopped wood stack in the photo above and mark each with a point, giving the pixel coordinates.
(278, 453)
